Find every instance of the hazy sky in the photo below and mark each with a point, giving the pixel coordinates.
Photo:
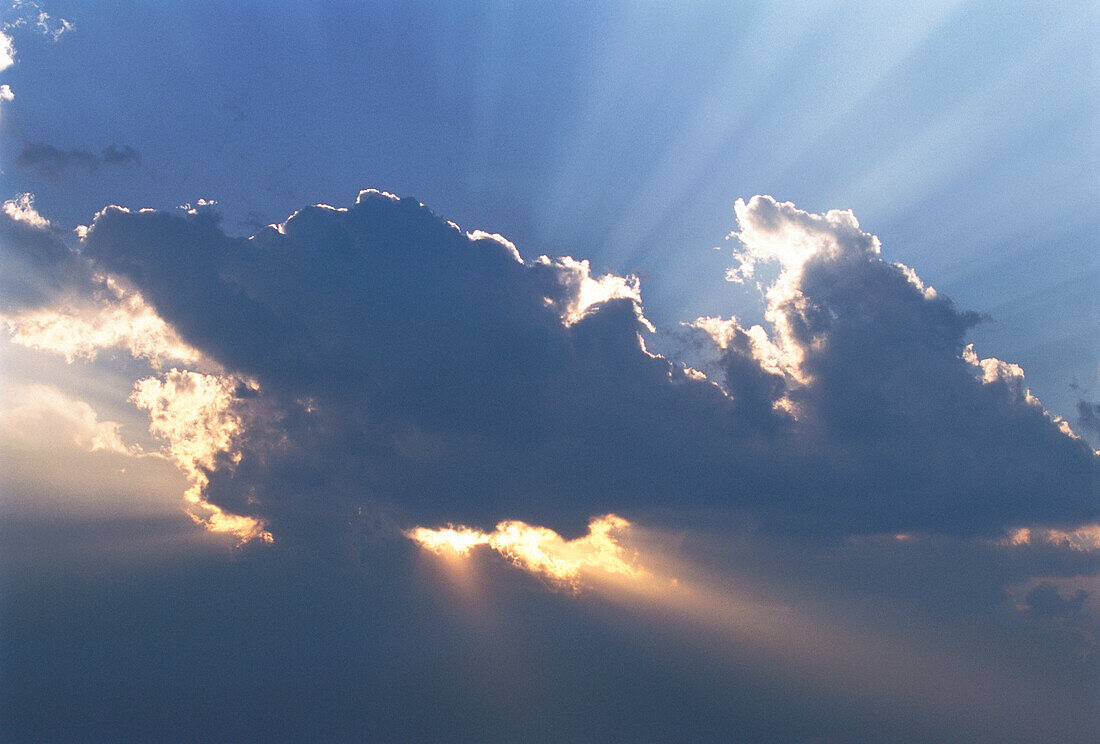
(549, 372)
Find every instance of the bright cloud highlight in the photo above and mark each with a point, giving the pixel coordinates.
(542, 551)
(116, 318)
(375, 356)
(194, 413)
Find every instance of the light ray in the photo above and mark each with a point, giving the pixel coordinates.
(812, 645)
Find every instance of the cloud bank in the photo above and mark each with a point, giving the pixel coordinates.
(380, 365)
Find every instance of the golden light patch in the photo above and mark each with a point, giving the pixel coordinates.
(458, 540)
(540, 550)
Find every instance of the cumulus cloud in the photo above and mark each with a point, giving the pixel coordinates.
(413, 365)
(887, 394)
(401, 369)
(56, 302)
(52, 162)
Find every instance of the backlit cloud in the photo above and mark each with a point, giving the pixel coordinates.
(541, 551)
(112, 318)
(195, 415)
(391, 363)
(21, 209)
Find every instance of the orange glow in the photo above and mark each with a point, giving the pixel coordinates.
(808, 639)
(457, 540)
(542, 551)
(1085, 538)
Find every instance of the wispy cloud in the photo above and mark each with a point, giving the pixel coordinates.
(52, 162)
(26, 14)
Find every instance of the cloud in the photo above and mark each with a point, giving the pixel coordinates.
(1088, 415)
(113, 317)
(36, 266)
(542, 551)
(1044, 600)
(802, 612)
(400, 369)
(1084, 538)
(30, 14)
(195, 414)
(7, 51)
(887, 394)
(26, 14)
(376, 368)
(50, 27)
(410, 364)
(43, 411)
(56, 303)
(21, 209)
(52, 162)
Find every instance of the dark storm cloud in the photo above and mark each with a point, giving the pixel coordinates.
(403, 363)
(52, 162)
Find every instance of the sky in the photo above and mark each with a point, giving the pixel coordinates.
(549, 372)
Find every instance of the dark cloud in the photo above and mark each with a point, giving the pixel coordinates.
(1088, 415)
(35, 264)
(403, 363)
(1044, 600)
(53, 163)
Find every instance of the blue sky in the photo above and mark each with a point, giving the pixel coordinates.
(781, 402)
(963, 134)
